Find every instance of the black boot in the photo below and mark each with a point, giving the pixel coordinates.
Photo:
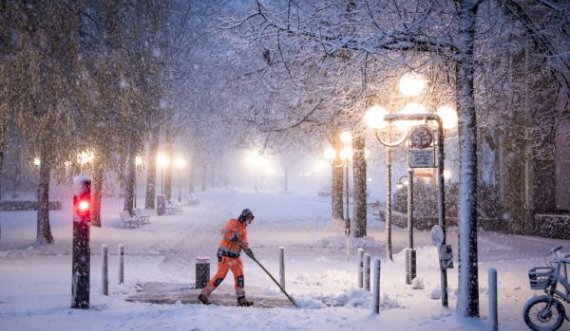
(204, 299)
(243, 302)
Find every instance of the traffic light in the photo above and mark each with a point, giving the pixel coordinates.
(82, 206)
(81, 252)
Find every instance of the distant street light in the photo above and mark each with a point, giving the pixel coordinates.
(402, 181)
(85, 157)
(260, 167)
(180, 163)
(412, 84)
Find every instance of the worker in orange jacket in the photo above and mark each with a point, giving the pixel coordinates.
(234, 239)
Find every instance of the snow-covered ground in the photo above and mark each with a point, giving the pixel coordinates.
(35, 283)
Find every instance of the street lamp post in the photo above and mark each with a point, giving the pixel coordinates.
(412, 115)
(345, 156)
(408, 181)
(445, 259)
(411, 252)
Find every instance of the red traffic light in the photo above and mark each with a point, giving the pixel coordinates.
(83, 205)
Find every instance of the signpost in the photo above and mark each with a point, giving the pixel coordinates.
(421, 157)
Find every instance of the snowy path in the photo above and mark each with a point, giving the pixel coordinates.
(35, 283)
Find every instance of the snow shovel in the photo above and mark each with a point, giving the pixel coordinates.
(272, 278)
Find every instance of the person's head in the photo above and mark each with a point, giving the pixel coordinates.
(246, 216)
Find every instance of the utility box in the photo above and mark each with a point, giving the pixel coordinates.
(445, 256)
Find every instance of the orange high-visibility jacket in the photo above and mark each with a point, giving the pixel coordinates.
(233, 226)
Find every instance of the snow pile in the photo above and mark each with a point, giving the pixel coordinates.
(417, 284)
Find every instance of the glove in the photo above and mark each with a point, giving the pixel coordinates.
(248, 252)
(234, 238)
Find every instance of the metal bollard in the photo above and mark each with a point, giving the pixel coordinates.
(202, 271)
(360, 268)
(282, 266)
(493, 307)
(121, 263)
(376, 294)
(367, 272)
(105, 253)
(410, 265)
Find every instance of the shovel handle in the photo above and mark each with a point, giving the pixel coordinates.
(270, 276)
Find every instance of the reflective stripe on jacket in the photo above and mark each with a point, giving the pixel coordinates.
(233, 227)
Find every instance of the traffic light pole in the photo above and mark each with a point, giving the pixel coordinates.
(81, 254)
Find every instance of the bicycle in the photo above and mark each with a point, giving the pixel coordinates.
(546, 312)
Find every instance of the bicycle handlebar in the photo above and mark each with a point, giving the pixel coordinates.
(555, 249)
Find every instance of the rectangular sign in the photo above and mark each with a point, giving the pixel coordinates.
(421, 157)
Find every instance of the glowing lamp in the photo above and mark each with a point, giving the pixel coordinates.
(83, 206)
(374, 117)
(346, 137)
(329, 153)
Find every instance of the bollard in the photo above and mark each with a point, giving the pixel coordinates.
(360, 268)
(121, 253)
(493, 307)
(105, 253)
(410, 265)
(202, 271)
(282, 266)
(376, 294)
(367, 272)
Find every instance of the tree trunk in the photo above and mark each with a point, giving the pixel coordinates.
(468, 289)
(17, 166)
(168, 171)
(2, 145)
(151, 169)
(96, 197)
(122, 172)
(337, 182)
(44, 235)
(359, 177)
(336, 194)
(130, 178)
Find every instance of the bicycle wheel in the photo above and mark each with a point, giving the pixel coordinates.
(539, 318)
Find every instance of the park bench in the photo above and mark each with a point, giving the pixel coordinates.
(128, 220)
(143, 218)
(172, 208)
(191, 200)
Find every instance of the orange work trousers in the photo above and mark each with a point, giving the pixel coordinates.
(224, 264)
